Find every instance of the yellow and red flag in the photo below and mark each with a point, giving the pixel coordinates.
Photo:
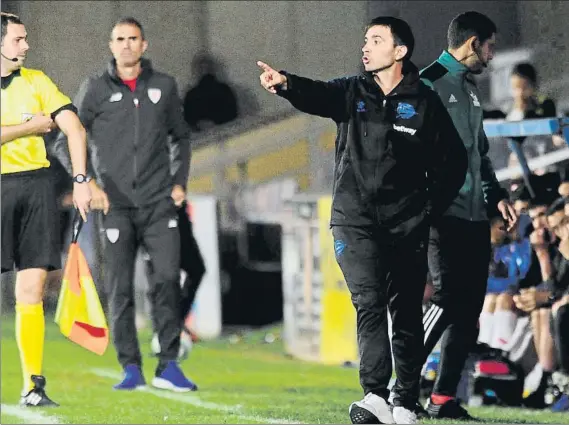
(79, 313)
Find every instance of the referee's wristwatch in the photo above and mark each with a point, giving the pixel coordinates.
(81, 178)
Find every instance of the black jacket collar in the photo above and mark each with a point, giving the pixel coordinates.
(408, 85)
(146, 65)
(7, 80)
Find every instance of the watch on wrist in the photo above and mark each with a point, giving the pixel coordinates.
(81, 178)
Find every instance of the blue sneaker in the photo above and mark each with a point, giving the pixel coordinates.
(133, 379)
(172, 378)
(562, 404)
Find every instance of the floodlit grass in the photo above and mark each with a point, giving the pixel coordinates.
(249, 381)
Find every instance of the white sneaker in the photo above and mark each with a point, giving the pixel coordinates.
(371, 410)
(402, 415)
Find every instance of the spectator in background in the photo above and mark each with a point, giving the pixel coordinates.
(540, 267)
(544, 189)
(537, 300)
(560, 315)
(511, 258)
(211, 100)
(520, 197)
(527, 103)
(563, 188)
(560, 325)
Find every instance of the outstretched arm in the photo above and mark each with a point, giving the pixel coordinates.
(325, 99)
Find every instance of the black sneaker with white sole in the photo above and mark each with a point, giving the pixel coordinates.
(37, 397)
(449, 410)
(371, 410)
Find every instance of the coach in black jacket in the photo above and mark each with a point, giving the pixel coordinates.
(130, 111)
(399, 164)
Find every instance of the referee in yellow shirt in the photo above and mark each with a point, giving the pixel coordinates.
(31, 106)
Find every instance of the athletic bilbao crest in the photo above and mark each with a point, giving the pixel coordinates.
(154, 95)
(112, 235)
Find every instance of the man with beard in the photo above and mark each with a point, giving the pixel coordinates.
(460, 279)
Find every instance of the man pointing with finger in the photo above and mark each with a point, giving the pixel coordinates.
(399, 164)
(31, 106)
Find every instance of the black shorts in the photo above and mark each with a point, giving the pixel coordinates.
(30, 223)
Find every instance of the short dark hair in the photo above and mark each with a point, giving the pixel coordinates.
(9, 18)
(556, 206)
(401, 31)
(467, 25)
(520, 193)
(129, 20)
(526, 70)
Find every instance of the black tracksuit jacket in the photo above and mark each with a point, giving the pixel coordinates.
(398, 157)
(129, 135)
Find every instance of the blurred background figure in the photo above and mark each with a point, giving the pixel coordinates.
(527, 102)
(211, 101)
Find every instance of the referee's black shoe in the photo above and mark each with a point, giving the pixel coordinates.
(450, 409)
(37, 397)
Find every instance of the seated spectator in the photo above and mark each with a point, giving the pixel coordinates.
(545, 189)
(509, 264)
(537, 300)
(520, 196)
(560, 327)
(525, 262)
(558, 289)
(563, 189)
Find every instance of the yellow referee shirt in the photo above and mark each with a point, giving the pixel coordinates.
(29, 92)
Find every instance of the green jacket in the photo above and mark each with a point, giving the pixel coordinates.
(481, 192)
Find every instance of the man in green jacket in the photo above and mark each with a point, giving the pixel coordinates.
(459, 246)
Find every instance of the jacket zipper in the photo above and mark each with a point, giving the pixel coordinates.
(474, 146)
(383, 104)
(136, 135)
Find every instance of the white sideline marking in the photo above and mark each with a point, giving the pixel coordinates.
(194, 400)
(29, 415)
